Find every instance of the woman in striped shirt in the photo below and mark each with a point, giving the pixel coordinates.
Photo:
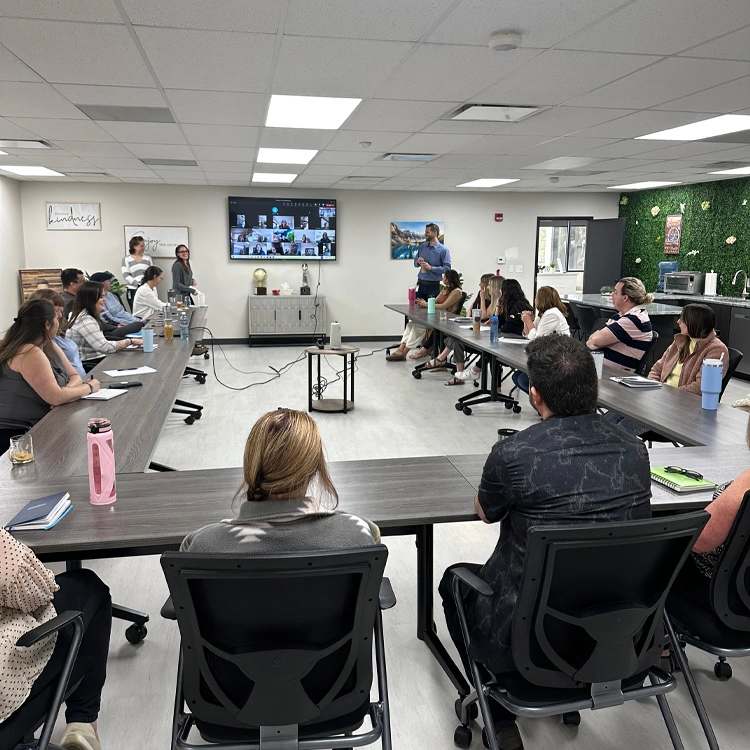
(135, 265)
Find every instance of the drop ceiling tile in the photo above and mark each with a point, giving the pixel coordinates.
(313, 181)
(57, 160)
(398, 20)
(110, 163)
(304, 66)
(295, 138)
(178, 173)
(95, 178)
(228, 183)
(559, 75)
(328, 169)
(159, 151)
(118, 96)
(185, 181)
(342, 158)
(12, 69)
(685, 150)
(67, 130)
(221, 135)
(395, 115)
(651, 27)
(423, 173)
(225, 167)
(437, 143)
(224, 153)
(500, 144)
(349, 140)
(663, 81)
(218, 107)
(641, 123)
(457, 161)
(70, 10)
(63, 52)
(562, 120)
(93, 150)
(625, 148)
(212, 60)
(144, 180)
(734, 46)
(465, 127)
(718, 100)
(614, 165)
(474, 20)
(371, 170)
(35, 100)
(508, 163)
(144, 132)
(132, 172)
(567, 145)
(260, 16)
(9, 130)
(450, 72)
(234, 176)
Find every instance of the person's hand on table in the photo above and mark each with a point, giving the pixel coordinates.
(94, 384)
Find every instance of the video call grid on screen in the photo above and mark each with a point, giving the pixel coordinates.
(282, 229)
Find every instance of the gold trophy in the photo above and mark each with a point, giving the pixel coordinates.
(260, 275)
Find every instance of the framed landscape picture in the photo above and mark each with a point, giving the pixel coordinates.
(407, 236)
(160, 241)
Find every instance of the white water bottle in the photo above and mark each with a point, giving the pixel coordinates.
(335, 335)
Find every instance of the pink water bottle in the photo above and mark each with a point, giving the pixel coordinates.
(412, 295)
(101, 452)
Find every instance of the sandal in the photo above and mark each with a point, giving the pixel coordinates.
(417, 355)
(454, 381)
(435, 363)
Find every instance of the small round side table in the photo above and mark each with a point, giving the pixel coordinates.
(331, 405)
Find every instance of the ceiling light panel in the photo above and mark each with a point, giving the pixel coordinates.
(285, 155)
(698, 131)
(309, 112)
(24, 144)
(32, 171)
(738, 171)
(486, 183)
(642, 185)
(274, 177)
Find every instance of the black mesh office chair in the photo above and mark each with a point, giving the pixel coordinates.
(277, 650)
(735, 357)
(588, 624)
(575, 328)
(588, 318)
(647, 360)
(41, 710)
(721, 628)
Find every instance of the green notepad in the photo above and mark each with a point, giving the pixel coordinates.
(679, 482)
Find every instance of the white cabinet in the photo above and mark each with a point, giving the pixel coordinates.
(286, 315)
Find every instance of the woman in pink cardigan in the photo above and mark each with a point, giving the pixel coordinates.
(680, 365)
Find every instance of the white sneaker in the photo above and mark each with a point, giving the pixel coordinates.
(464, 375)
(80, 736)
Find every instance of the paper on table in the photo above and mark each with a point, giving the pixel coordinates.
(513, 341)
(105, 394)
(136, 348)
(130, 371)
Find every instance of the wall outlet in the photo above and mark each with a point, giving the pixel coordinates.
(500, 260)
(519, 269)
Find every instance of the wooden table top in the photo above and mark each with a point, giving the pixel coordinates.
(155, 511)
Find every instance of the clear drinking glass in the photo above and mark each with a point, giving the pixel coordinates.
(21, 449)
(443, 316)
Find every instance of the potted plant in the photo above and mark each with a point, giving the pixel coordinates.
(605, 291)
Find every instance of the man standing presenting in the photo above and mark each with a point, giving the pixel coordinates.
(71, 279)
(573, 467)
(433, 260)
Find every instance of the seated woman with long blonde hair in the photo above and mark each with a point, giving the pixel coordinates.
(288, 499)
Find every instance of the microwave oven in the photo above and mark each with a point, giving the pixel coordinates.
(684, 282)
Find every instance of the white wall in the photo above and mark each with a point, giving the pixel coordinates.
(356, 286)
(11, 249)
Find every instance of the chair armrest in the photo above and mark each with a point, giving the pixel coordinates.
(48, 628)
(387, 597)
(473, 581)
(167, 610)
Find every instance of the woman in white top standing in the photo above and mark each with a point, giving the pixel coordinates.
(551, 318)
(134, 266)
(146, 301)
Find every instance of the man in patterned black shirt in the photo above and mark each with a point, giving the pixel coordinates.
(573, 467)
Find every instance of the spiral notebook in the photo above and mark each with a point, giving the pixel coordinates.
(679, 482)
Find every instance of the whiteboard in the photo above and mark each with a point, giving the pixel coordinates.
(160, 241)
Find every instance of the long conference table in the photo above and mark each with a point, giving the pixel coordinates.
(154, 511)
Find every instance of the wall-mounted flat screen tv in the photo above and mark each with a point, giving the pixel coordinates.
(282, 229)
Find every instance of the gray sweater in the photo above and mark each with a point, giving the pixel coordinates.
(266, 528)
(181, 278)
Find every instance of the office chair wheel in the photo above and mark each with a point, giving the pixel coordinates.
(198, 414)
(571, 718)
(136, 633)
(459, 406)
(201, 379)
(508, 405)
(417, 375)
(206, 356)
(189, 419)
(473, 710)
(467, 411)
(516, 409)
(723, 670)
(462, 736)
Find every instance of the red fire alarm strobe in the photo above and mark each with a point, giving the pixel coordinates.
(498, 217)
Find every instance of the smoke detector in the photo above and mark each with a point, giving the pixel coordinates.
(505, 41)
(365, 144)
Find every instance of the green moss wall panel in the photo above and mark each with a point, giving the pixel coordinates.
(705, 230)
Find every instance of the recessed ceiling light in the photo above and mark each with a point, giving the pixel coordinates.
(697, 131)
(274, 177)
(24, 144)
(286, 155)
(310, 112)
(3, 153)
(739, 170)
(642, 185)
(407, 157)
(490, 113)
(486, 183)
(32, 171)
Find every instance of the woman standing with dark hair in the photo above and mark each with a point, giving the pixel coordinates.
(146, 301)
(85, 328)
(681, 365)
(134, 266)
(30, 382)
(182, 274)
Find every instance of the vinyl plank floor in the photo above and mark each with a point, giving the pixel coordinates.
(395, 415)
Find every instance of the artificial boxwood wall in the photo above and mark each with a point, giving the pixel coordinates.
(705, 229)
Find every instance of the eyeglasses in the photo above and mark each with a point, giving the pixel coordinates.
(182, 252)
(685, 472)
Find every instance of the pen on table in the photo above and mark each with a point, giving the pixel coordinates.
(126, 369)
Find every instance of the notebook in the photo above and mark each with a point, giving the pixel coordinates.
(679, 482)
(636, 381)
(104, 394)
(42, 513)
